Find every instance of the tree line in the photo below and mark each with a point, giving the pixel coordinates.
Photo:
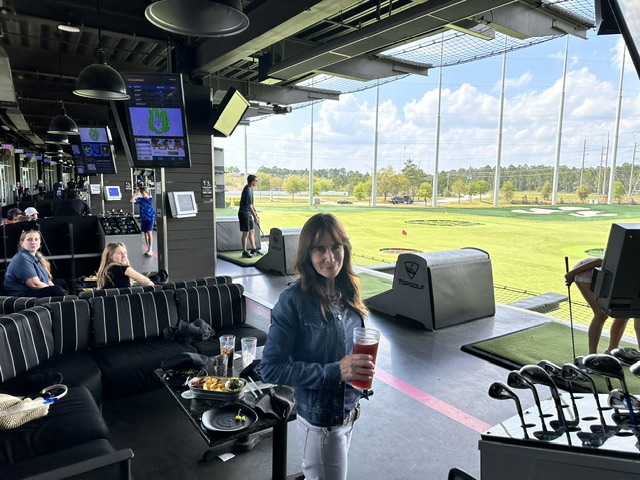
(413, 181)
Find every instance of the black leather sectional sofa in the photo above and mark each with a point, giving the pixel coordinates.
(105, 344)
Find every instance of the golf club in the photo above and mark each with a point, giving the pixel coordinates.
(617, 400)
(628, 356)
(579, 362)
(516, 380)
(609, 366)
(538, 375)
(635, 369)
(555, 372)
(500, 391)
(573, 340)
(573, 374)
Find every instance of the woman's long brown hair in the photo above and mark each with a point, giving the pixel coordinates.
(347, 283)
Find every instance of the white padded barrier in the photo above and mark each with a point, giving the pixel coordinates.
(229, 236)
(283, 245)
(439, 289)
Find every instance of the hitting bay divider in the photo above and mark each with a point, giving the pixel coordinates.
(439, 289)
(283, 245)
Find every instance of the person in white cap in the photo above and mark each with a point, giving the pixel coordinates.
(32, 213)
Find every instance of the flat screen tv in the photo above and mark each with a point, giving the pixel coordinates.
(226, 116)
(97, 148)
(617, 283)
(156, 121)
(627, 16)
(78, 158)
(182, 204)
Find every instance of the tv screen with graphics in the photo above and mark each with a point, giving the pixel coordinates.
(112, 192)
(96, 147)
(78, 158)
(157, 125)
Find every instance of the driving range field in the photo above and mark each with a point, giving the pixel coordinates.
(527, 244)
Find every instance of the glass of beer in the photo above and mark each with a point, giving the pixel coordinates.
(365, 340)
(228, 348)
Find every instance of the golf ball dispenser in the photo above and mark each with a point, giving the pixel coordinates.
(439, 289)
(579, 433)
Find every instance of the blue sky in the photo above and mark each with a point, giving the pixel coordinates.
(343, 131)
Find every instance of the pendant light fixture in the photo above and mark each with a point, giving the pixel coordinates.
(53, 150)
(99, 80)
(63, 124)
(198, 18)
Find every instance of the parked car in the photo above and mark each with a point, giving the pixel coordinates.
(344, 202)
(396, 199)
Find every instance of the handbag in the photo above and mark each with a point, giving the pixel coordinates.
(16, 411)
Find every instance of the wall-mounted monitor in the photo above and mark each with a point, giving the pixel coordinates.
(617, 283)
(78, 158)
(97, 149)
(157, 124)
(182, 204)
(226, 115)
(112, 192)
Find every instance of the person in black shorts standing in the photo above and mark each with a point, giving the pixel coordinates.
(247, 215)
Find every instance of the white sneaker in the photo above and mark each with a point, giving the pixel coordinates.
(148, 254)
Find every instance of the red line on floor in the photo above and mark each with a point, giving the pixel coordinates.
(432, 402)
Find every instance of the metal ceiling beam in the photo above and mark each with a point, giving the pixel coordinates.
(273, 94)
(269, 23)
(367, 69)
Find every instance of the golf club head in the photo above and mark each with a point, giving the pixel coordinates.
(537, 374)
(635, 369)
(605, 365)
(628, 356)
(500, 391)
(574, 374)
(617, 399)
(552, 369)
(591, 439)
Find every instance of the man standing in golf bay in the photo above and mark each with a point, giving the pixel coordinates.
(247, 215)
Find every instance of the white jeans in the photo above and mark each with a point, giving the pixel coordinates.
(324, 450)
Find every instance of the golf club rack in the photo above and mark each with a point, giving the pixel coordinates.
(575, 433)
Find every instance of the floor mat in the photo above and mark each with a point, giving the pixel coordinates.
(550, 341)
(238, 259)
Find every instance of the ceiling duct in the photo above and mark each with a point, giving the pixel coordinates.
(7, 93)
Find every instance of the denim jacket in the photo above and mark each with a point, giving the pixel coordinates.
(303, 350)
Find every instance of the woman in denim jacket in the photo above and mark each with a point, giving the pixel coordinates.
(310, 347)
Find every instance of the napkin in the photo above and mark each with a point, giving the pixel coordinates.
(279, 403)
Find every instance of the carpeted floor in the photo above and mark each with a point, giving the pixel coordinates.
(237, 258)
(550, 341)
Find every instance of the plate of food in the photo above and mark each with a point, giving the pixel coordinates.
(179, 378)
(218, 388)
(230, 418)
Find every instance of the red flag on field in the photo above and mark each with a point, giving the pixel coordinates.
(404, 232)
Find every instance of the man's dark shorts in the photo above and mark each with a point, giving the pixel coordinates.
(246, 222)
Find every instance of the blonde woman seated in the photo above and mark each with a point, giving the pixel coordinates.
(115, 271)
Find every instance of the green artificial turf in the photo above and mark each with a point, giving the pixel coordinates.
(238, 259)
(371, 285)
(550, 341)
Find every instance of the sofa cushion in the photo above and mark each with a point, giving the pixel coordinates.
(122, 318)
(218, 305)
(127, 368)
(71, 322)
(26, 340)
(199, 282)
(77, 369)
(108, 292)
(73, 420)
(59, 459)
(9, 304)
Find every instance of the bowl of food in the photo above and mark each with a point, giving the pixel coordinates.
(218, 388)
